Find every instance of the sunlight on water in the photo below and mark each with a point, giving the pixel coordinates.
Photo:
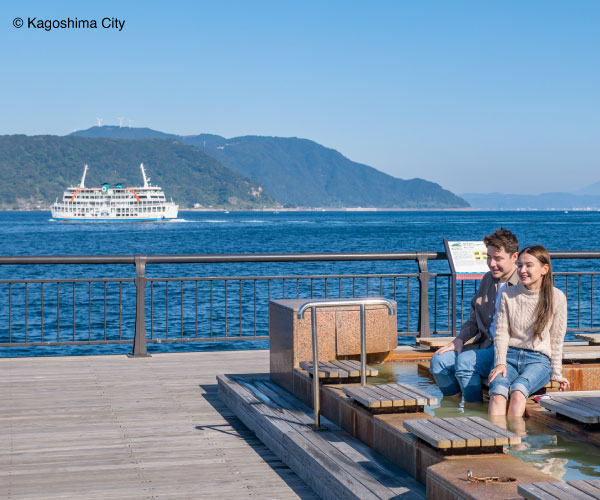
(557, 453)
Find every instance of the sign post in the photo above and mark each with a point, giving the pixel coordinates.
(468, 261)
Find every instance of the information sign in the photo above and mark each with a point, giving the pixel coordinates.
(467, 259)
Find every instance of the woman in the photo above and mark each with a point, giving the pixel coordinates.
(530, 329)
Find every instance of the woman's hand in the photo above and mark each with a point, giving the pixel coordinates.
(498, 370)
(564, 384)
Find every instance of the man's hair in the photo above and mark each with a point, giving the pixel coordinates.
(502, 238)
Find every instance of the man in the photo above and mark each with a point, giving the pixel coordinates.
(459, 370)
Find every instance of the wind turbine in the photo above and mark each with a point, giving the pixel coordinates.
(130, 123)
(120, 121)
(99, 121)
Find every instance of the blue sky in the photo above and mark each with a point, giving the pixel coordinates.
(478, 96)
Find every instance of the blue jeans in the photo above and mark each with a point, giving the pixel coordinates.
(526, 371)
(462, 373)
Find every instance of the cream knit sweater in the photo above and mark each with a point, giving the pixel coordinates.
(514, 326)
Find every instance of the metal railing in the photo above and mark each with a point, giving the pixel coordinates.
(313, 305)
(116, 310)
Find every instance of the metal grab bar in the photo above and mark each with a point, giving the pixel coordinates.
(312, 305)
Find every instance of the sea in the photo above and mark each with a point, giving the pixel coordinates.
(252, 232)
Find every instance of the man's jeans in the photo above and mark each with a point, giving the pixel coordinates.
(462, 373)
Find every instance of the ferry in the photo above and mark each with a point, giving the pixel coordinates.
(106, 204)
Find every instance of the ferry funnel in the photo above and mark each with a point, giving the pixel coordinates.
(82, 183)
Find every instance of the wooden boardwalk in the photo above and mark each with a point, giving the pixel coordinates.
(109, 427)
(583, 406)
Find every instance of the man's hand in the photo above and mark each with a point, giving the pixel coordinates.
(564, 384)
(498, 370)
(455, 345)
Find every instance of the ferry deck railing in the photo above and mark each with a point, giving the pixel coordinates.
(51, 311)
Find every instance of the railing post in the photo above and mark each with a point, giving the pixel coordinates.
(363, 346)
(139, 341)
(424, 276)
(315, 349)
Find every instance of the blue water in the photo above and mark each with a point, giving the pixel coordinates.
(32, 233)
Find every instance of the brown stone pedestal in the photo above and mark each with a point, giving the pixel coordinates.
(338, 330)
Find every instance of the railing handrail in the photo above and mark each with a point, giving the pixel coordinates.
(229, 258)
(367, 301)
(313, 305)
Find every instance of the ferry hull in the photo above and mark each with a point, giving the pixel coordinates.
(100, 219)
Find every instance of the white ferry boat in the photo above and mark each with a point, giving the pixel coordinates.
(106, 204)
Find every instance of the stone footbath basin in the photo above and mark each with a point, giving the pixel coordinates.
(560, 454)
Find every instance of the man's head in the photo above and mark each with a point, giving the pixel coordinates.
(502, 253)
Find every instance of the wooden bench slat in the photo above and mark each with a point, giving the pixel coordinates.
(409, 399)
(531, 491)
(590, 486)
(356, 393)
(456, 440)
(394, 399)
(349, 367)
(324, 372)
(410, 396)
(499, 439)
(569, 491)
(381, 395)
(342, 372)
(428, 434)
(577, 489)
(431, 400)
(451, 425)
(482, 433)
(354, 364)
(511, 436)
(587, 417)
(592, 338)
(337, 369)
(590, 402)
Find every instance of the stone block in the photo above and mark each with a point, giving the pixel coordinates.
(338, 330)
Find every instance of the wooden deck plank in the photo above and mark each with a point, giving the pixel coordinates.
(592, 338)
(460, 435)
(422, 397)
(590, 486)
(434, 342)
(398, 400)
(363, 397)
(324, 371)
(484, 433)
(457, 427)
(409, 399)
(351, 368)
(113, 428)
(511, 436)
(427, 434)
(531, 491)
(336, 369)
(569, 411)
(429, 431)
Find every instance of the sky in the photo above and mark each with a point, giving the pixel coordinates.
(478, 96)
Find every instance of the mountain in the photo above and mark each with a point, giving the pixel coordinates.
(36, 170)
(592, 189)
(545, 201)
(304, 173)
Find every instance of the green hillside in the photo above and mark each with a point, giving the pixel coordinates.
(303, 173)
(38, 169)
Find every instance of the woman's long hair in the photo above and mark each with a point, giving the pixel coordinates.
(545, 305)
